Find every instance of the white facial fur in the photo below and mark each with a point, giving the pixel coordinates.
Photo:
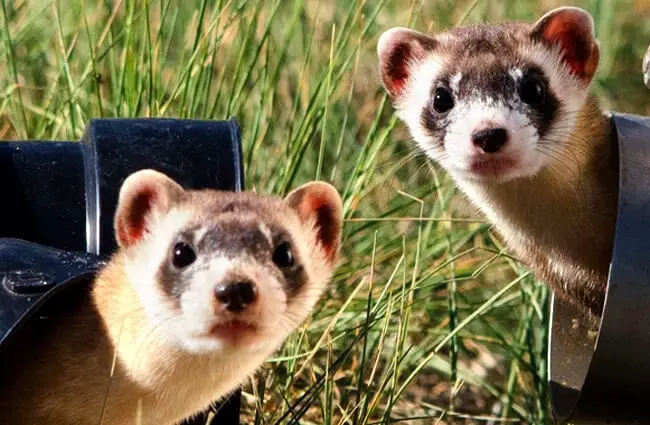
(198, 308)
(417, 96)
(524, 151)
(475, 114)
(187, 321)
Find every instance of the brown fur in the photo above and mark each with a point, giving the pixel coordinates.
(566, 214)
(66, 376)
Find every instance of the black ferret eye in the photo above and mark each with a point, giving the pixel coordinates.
(442, 100)
(283, 256)
(183, 255)
(532, 90)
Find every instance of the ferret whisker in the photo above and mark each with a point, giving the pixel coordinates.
(561, 172)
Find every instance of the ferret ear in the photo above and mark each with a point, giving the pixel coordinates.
(572, 30)
(144, 196)
(320, 203)
(398, 49)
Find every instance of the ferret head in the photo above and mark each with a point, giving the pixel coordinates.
(222, 270)
(492, 102)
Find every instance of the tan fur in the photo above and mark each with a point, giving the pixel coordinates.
(65, 377)
(561, 222)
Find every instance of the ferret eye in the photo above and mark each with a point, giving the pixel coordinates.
(183, 255)
(442, 100)
(282, 256)
(532, 90)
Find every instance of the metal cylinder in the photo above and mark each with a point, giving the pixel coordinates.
(602, 377)
(64, 194)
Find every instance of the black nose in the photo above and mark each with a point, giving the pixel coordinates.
(235, 296)
(490, 140)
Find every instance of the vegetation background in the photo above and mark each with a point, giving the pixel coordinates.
(428, 321)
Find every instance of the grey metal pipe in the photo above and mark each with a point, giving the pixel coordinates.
(604, 377)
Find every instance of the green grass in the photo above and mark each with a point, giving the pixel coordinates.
(428, 320)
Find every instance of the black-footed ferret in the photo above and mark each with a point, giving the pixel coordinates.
(204, 287)
(506, 110)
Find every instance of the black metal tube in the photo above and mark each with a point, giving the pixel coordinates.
(42, 193)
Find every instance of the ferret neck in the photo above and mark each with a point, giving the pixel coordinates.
(572, 192)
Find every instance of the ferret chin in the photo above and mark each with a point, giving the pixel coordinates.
(204, 287)
(506, 110)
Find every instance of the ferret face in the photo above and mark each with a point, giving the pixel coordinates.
(492, 102)
(222, 271)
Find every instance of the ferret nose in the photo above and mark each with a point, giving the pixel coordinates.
(490, 140)
(235, 296)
